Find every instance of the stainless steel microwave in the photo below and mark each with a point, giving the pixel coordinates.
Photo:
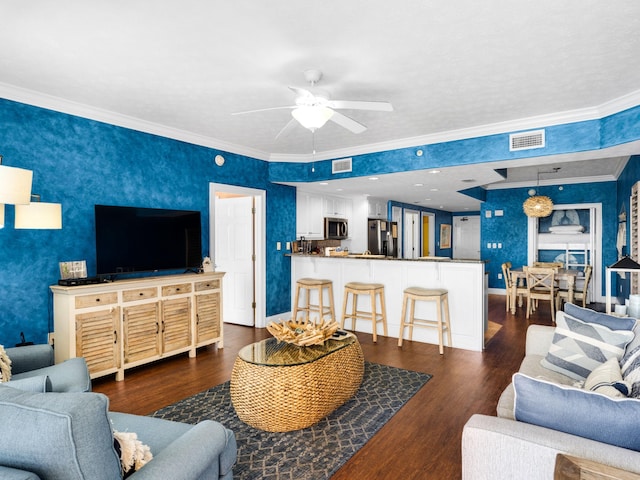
(335, 228)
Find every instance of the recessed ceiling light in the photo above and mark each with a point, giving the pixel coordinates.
(418, 184)
(427, 199)
(434, 189)
(373, 178)
(434, 171)
(338, 189)
(324, 183)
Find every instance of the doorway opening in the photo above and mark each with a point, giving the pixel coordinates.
(237, 246)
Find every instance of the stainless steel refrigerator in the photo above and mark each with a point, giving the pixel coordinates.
(383, 238)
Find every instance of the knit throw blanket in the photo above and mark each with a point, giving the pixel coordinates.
(5, 365)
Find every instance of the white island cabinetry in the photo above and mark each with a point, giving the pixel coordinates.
(465, 281)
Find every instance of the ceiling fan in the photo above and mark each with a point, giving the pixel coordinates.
(313, 108)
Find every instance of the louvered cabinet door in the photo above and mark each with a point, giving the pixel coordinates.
(97, 340)
(141, 332)
(207, 317)
(176, 324)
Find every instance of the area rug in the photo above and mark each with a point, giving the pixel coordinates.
(313, 453)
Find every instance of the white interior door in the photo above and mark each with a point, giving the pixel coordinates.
(411, 232)
(466, 237)
(234, 255)
(237, 248)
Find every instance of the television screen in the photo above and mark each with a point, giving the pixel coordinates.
(133, 239)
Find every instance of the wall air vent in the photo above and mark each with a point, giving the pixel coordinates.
(526, 140)
(341, 165)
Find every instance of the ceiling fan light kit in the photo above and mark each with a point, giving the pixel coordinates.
(312, 117)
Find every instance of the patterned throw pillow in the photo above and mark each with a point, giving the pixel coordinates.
(630, 363)
(579, 347)
(607, 379)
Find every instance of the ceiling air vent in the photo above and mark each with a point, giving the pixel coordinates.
(342, 165)
(526, 140)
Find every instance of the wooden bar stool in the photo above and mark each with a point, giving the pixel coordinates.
(438, 295)
(373, 290)
(308, 285)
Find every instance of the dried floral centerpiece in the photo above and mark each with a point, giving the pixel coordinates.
(302, 333)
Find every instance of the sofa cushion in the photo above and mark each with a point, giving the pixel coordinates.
(530, 366)
(591, 316)
(615, 421)
(579, 347)
(57, 435)
(607, 379)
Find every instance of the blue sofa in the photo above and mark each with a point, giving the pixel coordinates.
(34, 364)
(56, 436)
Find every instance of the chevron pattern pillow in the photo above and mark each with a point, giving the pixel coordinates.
(578, 347)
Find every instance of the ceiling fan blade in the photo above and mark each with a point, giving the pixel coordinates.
(301, 92)
(348, 123)
(262, 110)
(358, 105)
(287, 128)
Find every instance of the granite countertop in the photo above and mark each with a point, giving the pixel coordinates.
(382, 257)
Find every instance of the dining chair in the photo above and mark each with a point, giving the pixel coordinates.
(541, 286)
(563, 293)
(512, 288)
(555, 265)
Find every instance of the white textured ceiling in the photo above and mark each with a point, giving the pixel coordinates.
(448, 67)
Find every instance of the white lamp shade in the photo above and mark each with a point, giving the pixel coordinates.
(15, 185)
(312, 117)
(39, 215)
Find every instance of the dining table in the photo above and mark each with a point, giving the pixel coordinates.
(562, 274)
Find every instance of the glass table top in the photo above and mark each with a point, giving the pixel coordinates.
(271, 352)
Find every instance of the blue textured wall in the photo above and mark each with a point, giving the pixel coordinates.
(79, 163)
(511, 229)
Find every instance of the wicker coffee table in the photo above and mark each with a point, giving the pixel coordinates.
(279, 387)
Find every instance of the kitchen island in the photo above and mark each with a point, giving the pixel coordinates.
(464, 279)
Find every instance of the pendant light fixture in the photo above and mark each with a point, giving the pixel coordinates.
(537, 206)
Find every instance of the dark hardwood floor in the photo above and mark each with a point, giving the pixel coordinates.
(421, 441)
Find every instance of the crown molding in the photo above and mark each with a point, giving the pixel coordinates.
(29, 97)
(50, 102)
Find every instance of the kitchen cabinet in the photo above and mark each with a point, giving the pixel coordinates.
(377, 208)
(338, 207)
(128, 323)
(309, 216)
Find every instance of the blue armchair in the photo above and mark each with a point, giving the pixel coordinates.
(53, 436)
(35, 363)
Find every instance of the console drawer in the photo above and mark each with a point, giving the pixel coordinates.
(96, 299)
(208, 285)
(178, 289)
(139, 294)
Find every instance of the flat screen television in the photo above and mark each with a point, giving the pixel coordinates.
(134, 239)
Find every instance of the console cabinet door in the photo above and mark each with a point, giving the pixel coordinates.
(176, 324)
(141, 332)
(97, 340)
(207, 316)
